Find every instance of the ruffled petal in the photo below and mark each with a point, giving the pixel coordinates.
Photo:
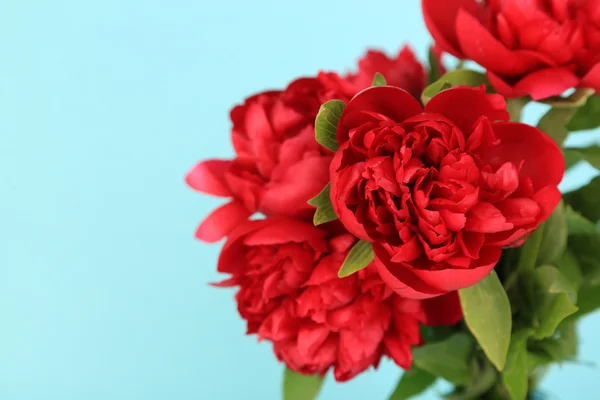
(285, 230)
(289, 191)
(441, 21)
(545, 83)
(481, 46)
(516, 144)
(392, 102)
(401, 278)
(209, 177)
(222, 221)
(451, 104)
(484, 217)
(341, 182)
(450, 279)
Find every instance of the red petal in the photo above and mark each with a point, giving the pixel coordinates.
(222, 221)
(209, 177)
(292, 186)
(341, 183)
(232, 257)
(519, 211)
(400, 277)
(454, 221)
(310, 339)
(285, 230)
(470, 243)
(484, 217)
(398, 350)
(592, 78)
(392, 102)
(441, 21)
(278, 325)
(443, 310)
(465, 106)
(326, 270)
(545, 165)
(482, 135)
(408, 251)
(229, 282)
(446, 280)
(547, 198)
(501, 86)
(546, 82)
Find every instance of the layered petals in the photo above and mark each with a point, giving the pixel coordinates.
(290, 294)
(529, 48)
(441, 191)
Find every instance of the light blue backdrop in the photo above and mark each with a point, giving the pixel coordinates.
(104, 107)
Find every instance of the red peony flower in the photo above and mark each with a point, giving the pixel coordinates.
(404, 71)
(289, 293)
(440, 190)
(279, 165)
(534, 47)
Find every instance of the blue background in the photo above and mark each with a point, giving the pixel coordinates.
(105, 105)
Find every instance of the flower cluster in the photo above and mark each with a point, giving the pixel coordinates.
(290, 294)
(285, 268)
(405, 212)
(278, 165)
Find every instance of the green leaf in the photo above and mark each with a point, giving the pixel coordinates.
(454, 78)
(554, 300)
(530, 250)
(487, 314)
(554, 122)
(431, 334)
(569, 267)
(322, 198)
(300, 387)
(586, 199)
(554, 237)
(586, 249)
(324, 212)
(358, 258)
(435, 69)
(379, 80)
(447, 359)
(588, 300)
(578, 224)
(515, 374)
(590, 154)
(326, 123)
(562, 346)
(413, 382)
(586, 117)
(571, 158)
(483, 377)
(553, 281)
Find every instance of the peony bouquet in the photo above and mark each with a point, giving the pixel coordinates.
(403, 211)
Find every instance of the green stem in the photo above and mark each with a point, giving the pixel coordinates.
(515, 106)
(528, 256)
